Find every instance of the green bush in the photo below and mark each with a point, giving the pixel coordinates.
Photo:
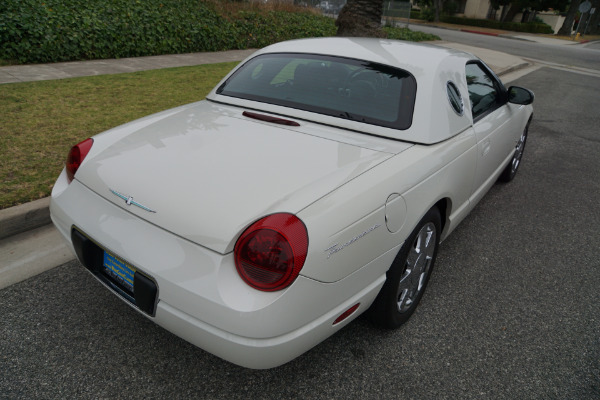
(531, 27)
(450, 7)
(33, 31)
(60, 30)
(258, 29)
(428, 14)
(416, 14)
(537, 26)
(407, 34)
(425, 14)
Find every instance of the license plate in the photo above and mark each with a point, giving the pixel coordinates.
(119, 271)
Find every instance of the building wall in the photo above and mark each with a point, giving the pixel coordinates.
(477, 9)
(555, 21)
(480, 9)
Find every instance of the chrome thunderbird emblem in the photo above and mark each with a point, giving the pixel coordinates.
(337, 248)
(129, 201)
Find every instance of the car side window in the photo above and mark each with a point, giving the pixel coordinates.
(483, 89)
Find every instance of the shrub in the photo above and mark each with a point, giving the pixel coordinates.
(531, 27)
(428, 14)
(538, 26)
(407, 34)
(60, 30)
(450, 7)
(259, 29)
(33, 31)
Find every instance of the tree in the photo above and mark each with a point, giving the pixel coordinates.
(567, 25)
(496, 4)
(514, 7)
(589, 22)
(360, 18)
(437, 7)
(594, 25)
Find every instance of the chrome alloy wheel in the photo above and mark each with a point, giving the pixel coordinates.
(518, 152)
(417, 267)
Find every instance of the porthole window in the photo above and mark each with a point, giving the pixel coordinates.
(455, 98)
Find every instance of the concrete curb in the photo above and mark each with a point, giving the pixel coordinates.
(514, 68)
(480, 32)
(25, 217)
(29, 243)
(30, 253)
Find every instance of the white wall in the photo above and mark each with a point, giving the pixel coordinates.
(477, 8)
(555, 21)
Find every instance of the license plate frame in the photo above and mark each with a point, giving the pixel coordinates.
(119, 271)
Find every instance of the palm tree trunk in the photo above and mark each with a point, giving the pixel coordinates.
(512, 13)
(360, 18)
(567, 25)
(437, 7)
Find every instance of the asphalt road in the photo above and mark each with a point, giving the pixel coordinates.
(512, 310)
(583, 56)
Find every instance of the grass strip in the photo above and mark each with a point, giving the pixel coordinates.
(40, 121)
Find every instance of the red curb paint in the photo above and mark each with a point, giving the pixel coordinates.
(480, 33)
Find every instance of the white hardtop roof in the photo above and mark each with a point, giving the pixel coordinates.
(432, 66)
(416, 58)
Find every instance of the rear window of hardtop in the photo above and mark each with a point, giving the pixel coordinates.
(340, 87)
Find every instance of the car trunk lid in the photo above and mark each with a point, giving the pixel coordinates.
(206, 172)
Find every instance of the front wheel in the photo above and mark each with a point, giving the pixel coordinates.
(409, 274)
(511, 169)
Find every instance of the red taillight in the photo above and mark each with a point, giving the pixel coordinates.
(76, 156)
(271, 252)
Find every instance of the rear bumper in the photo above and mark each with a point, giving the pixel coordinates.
(201, 298)
(266, 352)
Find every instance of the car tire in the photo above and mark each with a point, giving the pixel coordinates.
(513, 166)
(408, 276)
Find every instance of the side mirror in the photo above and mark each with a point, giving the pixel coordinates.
(519, 95)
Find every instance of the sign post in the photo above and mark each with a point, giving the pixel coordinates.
(583, 9)
(592, 11)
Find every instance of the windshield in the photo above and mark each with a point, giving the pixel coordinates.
(340, 87)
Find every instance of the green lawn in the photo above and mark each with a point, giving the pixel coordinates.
(40, 121)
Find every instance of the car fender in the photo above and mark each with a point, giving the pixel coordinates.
(347, 228)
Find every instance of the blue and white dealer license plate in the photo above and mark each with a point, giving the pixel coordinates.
(119, 271)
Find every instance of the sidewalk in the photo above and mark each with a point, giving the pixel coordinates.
(29, 244)
(499, 62)
(530, 37)
(74, 69)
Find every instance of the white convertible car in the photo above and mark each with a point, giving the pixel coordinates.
(313, 184)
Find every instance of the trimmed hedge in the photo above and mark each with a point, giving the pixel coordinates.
(34, 31)
(407, 34)
(530, 27)
(258, 30)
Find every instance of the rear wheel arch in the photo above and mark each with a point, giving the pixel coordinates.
(409, 273)
(444, 206)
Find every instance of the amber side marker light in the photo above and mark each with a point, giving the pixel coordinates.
(346, 314)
